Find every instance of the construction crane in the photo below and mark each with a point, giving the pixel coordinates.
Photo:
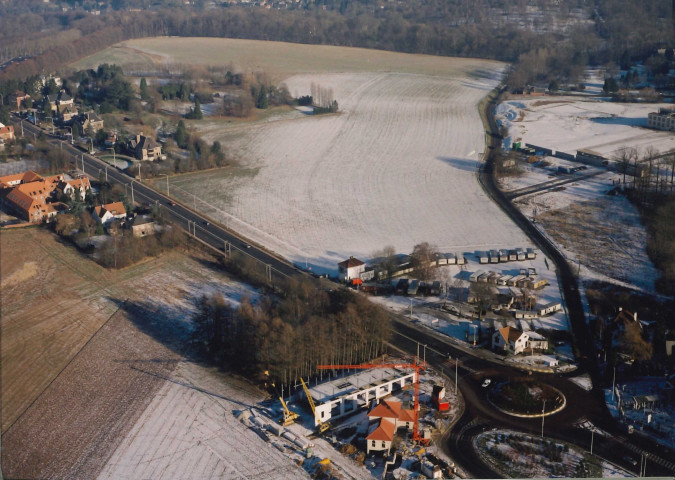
(414, 366)
(322, 427)
(289, 416)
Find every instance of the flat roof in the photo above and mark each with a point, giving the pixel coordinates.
(358, 380)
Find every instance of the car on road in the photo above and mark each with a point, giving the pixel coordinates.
(486, 382)
(630, 460)
(207, 223)
(172, 203)
(247, 245)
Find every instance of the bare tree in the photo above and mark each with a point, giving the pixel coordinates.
(484, 297)
(623, 158)
(423, 260)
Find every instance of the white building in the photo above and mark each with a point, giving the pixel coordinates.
(344, 395)
(350, 269)
(549, 308)
(509, 339)
(109, 212)
(664, 119)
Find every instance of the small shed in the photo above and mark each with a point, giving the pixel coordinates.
(460, 259)
(441, 259)
(524, 314)
(483, 278)
(493, 277)
(435, 288)
(504, 280)
(513, 256)
(451, 259)
(474, 276)
(413, 287)
(143, 226)
(549, 308)
(482, 256)
(536, 283)
(520, 254)
(531, 255)
(503, 255)
(513, 281)
(494, 256)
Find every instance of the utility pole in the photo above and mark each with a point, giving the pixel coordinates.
(83, 163)
(543, 415)
(613, 379)
(592, 432)
(132, 194)
(418, 347)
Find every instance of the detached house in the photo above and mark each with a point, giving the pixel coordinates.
(6, 133)
(145, 148)
(389, 417)
(90, 119)
(109, 212)
(78, 186)
(509, 339)
(17, 98)
(350, 269)
(29, 194)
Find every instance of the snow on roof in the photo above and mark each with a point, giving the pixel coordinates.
(358, 381)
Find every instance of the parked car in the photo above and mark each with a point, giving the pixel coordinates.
(486, 382)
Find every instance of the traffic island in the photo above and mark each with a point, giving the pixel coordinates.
(525, 397)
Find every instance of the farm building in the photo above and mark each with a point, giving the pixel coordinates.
(350, 269)
(344, 395)
(549, 308)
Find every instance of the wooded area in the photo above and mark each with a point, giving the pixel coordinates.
(557, 43)
(288, 334)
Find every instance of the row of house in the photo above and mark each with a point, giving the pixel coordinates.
(355, 269)
(505, 255)
(35, 198)
(526, 279)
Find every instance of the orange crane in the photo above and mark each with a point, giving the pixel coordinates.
(414, 366)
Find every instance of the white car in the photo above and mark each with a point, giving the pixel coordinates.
(486, 382)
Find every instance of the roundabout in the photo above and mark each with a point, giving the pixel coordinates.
(525, 397)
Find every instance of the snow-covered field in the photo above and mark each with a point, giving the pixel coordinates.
(568, 124)
(397, 166)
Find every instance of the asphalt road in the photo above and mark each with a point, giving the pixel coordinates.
(191, 221)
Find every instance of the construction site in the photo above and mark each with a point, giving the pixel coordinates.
(383, 417)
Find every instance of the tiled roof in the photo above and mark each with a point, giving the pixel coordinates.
(351, 262)
(510, 334)
(385, 431)
(386, 409)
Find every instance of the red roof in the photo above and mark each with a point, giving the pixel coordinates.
(386, 409)
(510, 334)
(407, 415)
(351, 262)
(385, 431)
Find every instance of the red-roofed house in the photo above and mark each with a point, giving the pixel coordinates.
(381, 436)
(13, 180)
(29, 200)
(109, 212)
(6, 132)
(510, 339)
(350, 269)
(392, 410)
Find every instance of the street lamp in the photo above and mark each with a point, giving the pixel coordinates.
(113, 150)
(167, 182)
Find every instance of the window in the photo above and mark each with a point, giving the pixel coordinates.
(383, 445)
(373, 444)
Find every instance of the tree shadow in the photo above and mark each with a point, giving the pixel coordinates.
(464, 164)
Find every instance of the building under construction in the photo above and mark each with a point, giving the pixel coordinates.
(346, 394)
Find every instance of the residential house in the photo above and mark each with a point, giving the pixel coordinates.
(90, 119)
(509, 339)
(145, 148)
(68, 113)
(6, 133)
(350, 269)
(17, 98)
(9, 181)
(78, 186)
(392, 410)
(380, 436)
(59, 101)
(143, 226)
(109, 212)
